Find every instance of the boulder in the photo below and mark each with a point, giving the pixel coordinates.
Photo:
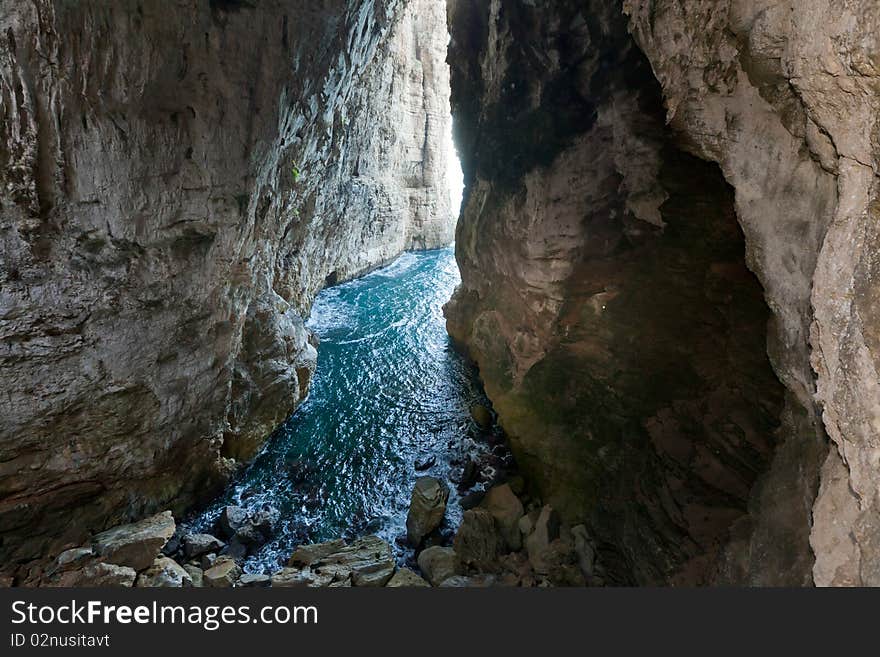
(545, 530)
(406, 578)
(306, 555)
(438, 564)
(195, 545)
(506, 509)
(222, 574)
(470, 472)
(234, 549)
(164, 573)
(97, 575)
(232, 518)
(136, 545)
(265, 521)
(251, 580)
(196, 574)
(426, 509)
(482, 416)
(207, 560)
(477, 541)
(584, 548)
(370, 560)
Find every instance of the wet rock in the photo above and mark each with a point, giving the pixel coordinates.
(250, 580)
(234, 549)
(222, 574)
(135, 545)
(438, 564)
(165, 573)
(427, 508)
(195, 545)
(471, 500)
(482, 416)
(306, 555)
(507, 510)
(266, 521)
(97, 575)
(406, 578)
(196, 575)
(470, 473)
(425, 463)
(232, 519)
(477, 541)
(208, 560)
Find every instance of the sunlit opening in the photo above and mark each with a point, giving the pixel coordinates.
(454, 175)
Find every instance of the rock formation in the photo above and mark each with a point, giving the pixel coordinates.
(605, 295)
(176, 184)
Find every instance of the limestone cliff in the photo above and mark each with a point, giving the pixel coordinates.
(177, 181)
(605, 295)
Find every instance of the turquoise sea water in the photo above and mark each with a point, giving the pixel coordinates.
(389, 392)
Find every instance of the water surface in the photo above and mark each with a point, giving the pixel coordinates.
(389, 393)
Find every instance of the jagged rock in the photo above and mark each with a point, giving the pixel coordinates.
(196, 575)
(482, 416)
(426, 509)
(438, 564)
(306, 555)
(207, 560)
(222, 574)
(165, 572)
(477, 540)
(136, 545)
(232, 519)
(265, 521)
(470, 472)
(234, 549)
(507, 510)
(97, 575)
(195, 545)
(73, 558)
(369, 558)
(368, 561)
(425, 463)
(254, 580)
(404, 578)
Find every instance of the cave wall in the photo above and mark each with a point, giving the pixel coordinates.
(784, 96)
(624, 344)
(177, 181)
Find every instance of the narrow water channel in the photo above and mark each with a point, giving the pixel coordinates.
(389, 402)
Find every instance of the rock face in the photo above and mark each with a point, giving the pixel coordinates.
(790, 109)
(171, 200)
(616, 291)
(426, 510)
